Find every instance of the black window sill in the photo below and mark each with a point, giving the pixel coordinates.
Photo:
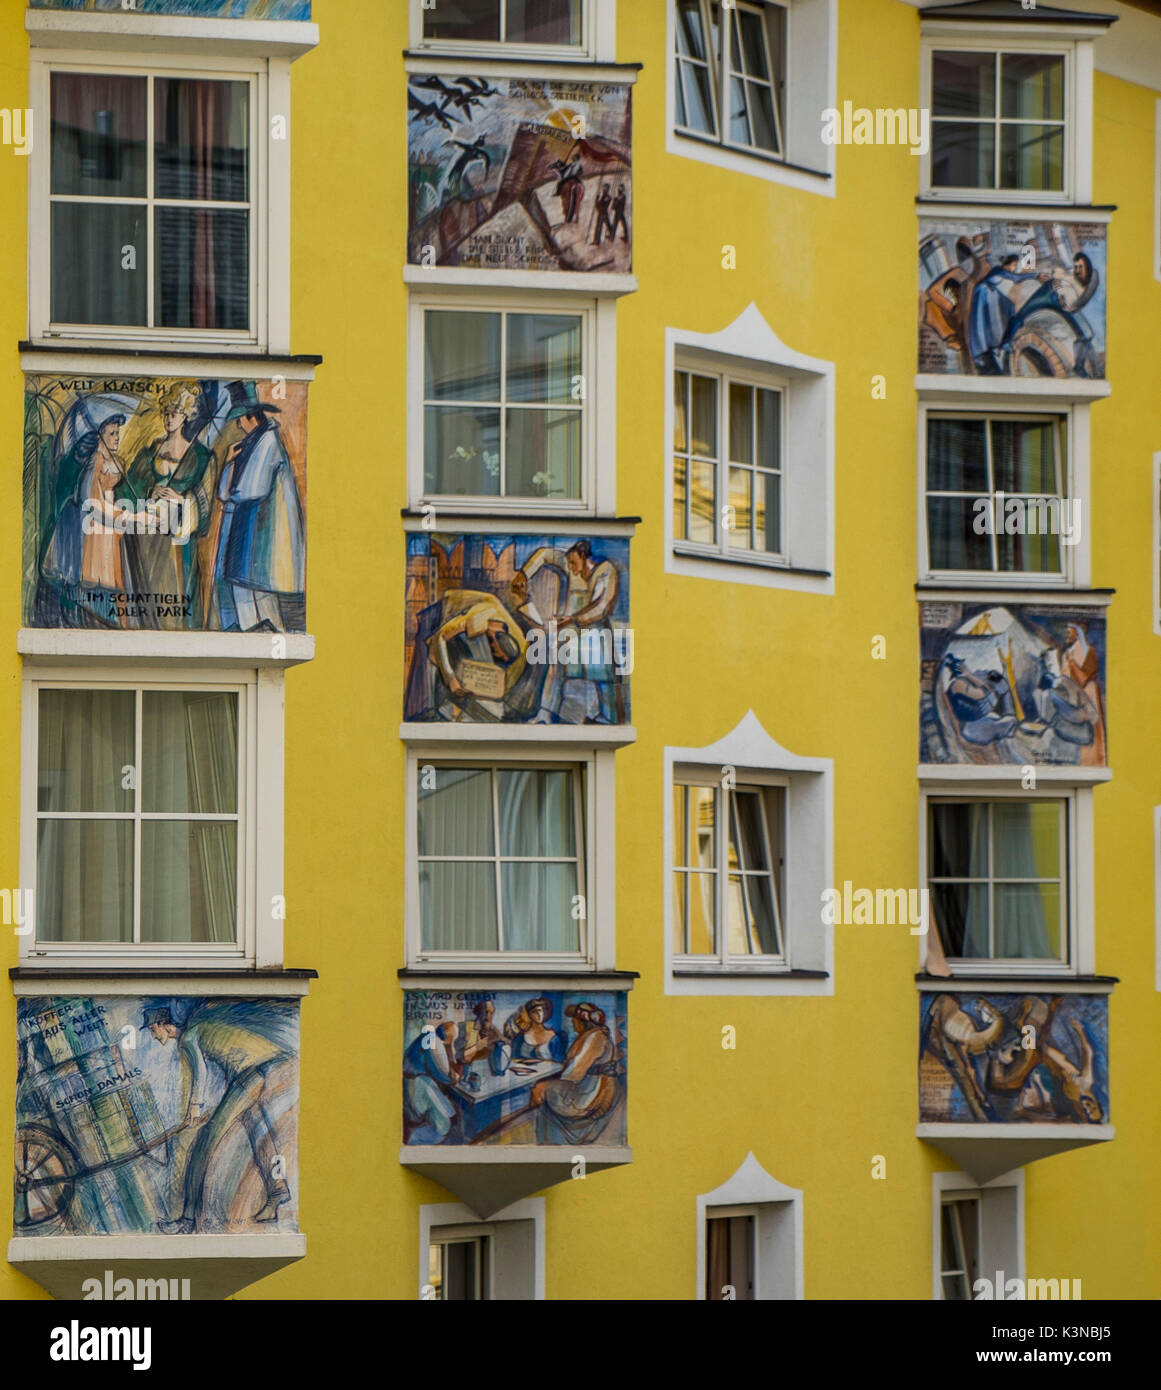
(484, 972)
(996, 584)
(1001, 198)
(977, 978)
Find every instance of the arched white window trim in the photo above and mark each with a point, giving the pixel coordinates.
(778, 1258)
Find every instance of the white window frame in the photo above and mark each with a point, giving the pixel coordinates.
(810, 65)
(1078, 114)
(749, 349)
(269, 202)
(724, 378)
(1001, 1224)
(259, 849)
(685, 775)
(808, 854)
(778, 1230)
(598, 39)
(598, 428)
(1076, 567)
(1078, 881)
(595, 767)
(516, 1264)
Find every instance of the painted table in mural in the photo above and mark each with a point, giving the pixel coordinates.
(485, 1110)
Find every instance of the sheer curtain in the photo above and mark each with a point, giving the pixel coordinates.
(537, 821)
(457, 898)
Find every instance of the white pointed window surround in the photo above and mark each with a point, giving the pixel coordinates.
(749, 350)
(749, 758)
(777, 1261)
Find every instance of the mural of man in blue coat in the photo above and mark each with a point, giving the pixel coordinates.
(259, 571)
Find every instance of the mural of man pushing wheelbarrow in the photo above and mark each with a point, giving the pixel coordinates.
(244, 1046)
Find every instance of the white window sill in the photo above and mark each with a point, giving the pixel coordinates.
(251, 650)
(590, 282)
(1040, 388)
(500, 736)
(700, 564)
(759, 166)
(1011, 775)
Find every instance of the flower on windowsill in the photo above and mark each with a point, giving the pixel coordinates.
(542, 482)
(462, 455)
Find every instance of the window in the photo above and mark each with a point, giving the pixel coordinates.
(727, 872)
(959, 1258)
(501, 857)
(138, 816)
(458, 1268)
(152, 218)
(504, 405)
(729, 78)
(999, 120)
(554, 23)
(987, 476)
(727, 464)
(730, 1234)
(998, 873)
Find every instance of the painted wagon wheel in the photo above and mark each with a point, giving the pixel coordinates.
(45, 1175)
(1034, 354)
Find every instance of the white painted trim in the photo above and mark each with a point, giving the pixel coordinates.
(249, 365)
(522, 736)
(143, 33)
(1096, 1134)
(811, 85)
(946, 210)
(79, 646)
(749, 344)
(999, 776)
(599, 45)
(33, 1249)
(588, 282)
(598, 369)
(194, 984)
(433, 1216)
(753, 1186)
(276, 99)
(960, 1182)
(1044, 390)
(976, 983)
(268, 817)
(1077, 567)
(1080, 876)
(809, 832)
(599, 812)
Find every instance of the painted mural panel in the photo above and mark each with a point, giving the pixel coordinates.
(154, 1115)
(1016, 684)
(517, 629)
(1012, 298)
(198, 9)
(507, 1067)
(525, 174)
(1014, 1058)
(165, 504)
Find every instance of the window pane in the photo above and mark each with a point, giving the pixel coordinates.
(84, 880)
(963, 156)
(188, 879)
(957, 455)
(961, 915)
(537, 815)
(769, 429)
(1027, 838)
(730, 1258)
(1032, 156)
(754, 62)
(737, 114)
(952, 538)
(680, 886)
(762, 117)
(697, 93)
(679, 482)
(680, 422)
(538, 902)
(741, 481)
(747, 831)
(201, 139)
(702, 914)
(963, 84)
(84, 750)
(703, 503)
(461, 356)
(189, 751)
(1030, 554)
(741, 428)
(461, 1271)
(203, 268)
(544, 357)
(690, 39)
(768, 512)
(91, 282)
(704, 415)
(98, 135)
(764, 938)
(543, 21)
(1032, 86)
(457, 904)
(461, 451)
(455, 815)
(701, 830)
(1027, 920)
(544, 453)
(463, 19)
(959, 839)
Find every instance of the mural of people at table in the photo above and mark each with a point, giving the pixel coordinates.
(1040, 1059)
(1012, 299)
(1012, 685)
(164, 504)
(489, 1068)
(500, 171)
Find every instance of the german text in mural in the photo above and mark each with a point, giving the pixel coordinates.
(156, 1115)
(518, 629)
(502, 1067)
(1030, 1058)
(1012, 684)
(1012, 298)
(164, 504)
(521, 174)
